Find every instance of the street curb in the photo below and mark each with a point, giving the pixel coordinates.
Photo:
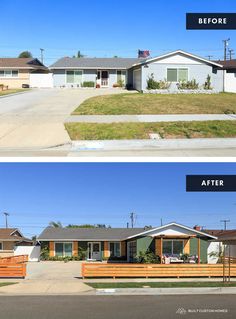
(166, 291)
(175, 144)
(12, 94)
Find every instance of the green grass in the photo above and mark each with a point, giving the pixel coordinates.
(167, 130)
(138, 103)
(160, 284)
(2, 93)
(2, 284)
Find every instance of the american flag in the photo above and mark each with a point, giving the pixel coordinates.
(143, 54)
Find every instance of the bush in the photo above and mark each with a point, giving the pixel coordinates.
(152, 84)
(189, 85)
(207, 85)
(147, 257)
(44, 254)
(88, 84)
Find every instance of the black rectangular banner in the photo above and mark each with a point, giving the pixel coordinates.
(211, 183)
(211, 21)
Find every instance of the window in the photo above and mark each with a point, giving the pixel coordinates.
(176, 75)
(1, 246)
(74, 77)
(9, 73)
(132, 249)
(115, 249)
(172, 247)
(63, 249)
(121, 76)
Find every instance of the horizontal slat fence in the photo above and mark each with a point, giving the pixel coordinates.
(14, 259)
(13, 270)
(92, 270)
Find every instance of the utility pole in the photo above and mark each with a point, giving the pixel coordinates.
(226, 43)
(231, 53)
(132, 218)
(161, 222)
(42, 51)
(225, 221)
(209, 57)
(6, 215)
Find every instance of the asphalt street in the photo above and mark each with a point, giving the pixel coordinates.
(118, 307)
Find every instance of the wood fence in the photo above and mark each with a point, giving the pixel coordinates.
(93, 270)
(13, 267)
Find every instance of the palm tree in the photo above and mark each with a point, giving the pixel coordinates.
(55, 224)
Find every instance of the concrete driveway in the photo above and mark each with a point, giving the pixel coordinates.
(35, 119)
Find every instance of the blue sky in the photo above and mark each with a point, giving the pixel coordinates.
(106, 28)
(36, 193)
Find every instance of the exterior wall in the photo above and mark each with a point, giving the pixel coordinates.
(8, 249)
(75, 248)
(59, 77)
(230, 82)
(203, 248)
(145, 243)
(51, 249)
(187, 246)
(158, 247)
(196, 71)
(16, 83)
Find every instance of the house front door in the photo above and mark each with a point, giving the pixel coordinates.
(94, 251)
(103, 78)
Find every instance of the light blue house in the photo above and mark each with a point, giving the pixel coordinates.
(173, 67)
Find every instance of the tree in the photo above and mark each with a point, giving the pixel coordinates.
(55, 224)
(79, 55)
(25, 54)
(80, 226)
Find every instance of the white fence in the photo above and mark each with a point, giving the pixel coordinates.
(41, 80)
(230, 82)
(32, 251)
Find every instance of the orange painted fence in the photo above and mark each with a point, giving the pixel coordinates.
(13, 267)
(14, 259)
(92, 270)
(13, 270)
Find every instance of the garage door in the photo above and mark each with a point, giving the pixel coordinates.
(41, 80)
(137, 80)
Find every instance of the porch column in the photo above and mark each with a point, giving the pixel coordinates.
(106, 250)
(187, 246)
(75, 248)
(158, 247)
(199, 249)
(51, 249)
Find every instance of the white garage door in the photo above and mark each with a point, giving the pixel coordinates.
(41, 80)
(137, 80)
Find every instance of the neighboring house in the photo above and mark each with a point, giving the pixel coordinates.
(171, 240)
(106, 72)
(9, 239)
(229, 67)
(225, 238)
(16, 72)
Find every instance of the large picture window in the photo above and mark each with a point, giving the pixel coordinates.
(177, 75)
(172, 247)
(63, 249)
(74, 77)
(115, 249)
(9, 73)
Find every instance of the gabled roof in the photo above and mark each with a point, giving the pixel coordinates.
(160, 57)
(153, 230)
(12, 234)
(86, 234)
(95, 63)
(21, 63)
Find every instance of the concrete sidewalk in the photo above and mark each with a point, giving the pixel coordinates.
(148, 118)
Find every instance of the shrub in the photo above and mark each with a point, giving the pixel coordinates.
(44, 255)
(188, 85)
(88, 84)
(82, 254)
(152, 84)
(147, 257)
(98, 86)
(207, 85)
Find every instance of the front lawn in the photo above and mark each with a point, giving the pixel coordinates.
(127, 103)
(2, 93)
(118, 131)
(2, 284)
(160, 285)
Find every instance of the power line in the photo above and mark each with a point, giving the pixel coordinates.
(225, 221)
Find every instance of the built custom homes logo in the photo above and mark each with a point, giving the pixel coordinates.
(210, 21)
(211, 183)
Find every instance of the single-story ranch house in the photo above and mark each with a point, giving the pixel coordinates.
(108, 72)
(169, 242)
(16, 72)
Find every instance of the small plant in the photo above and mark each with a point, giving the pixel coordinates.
(82, 254)
(207, 85)
(147, 257)
(98, 86)
(152, 84)
(121, 83)
(88, 84)
(188, 85)
(44, 255)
